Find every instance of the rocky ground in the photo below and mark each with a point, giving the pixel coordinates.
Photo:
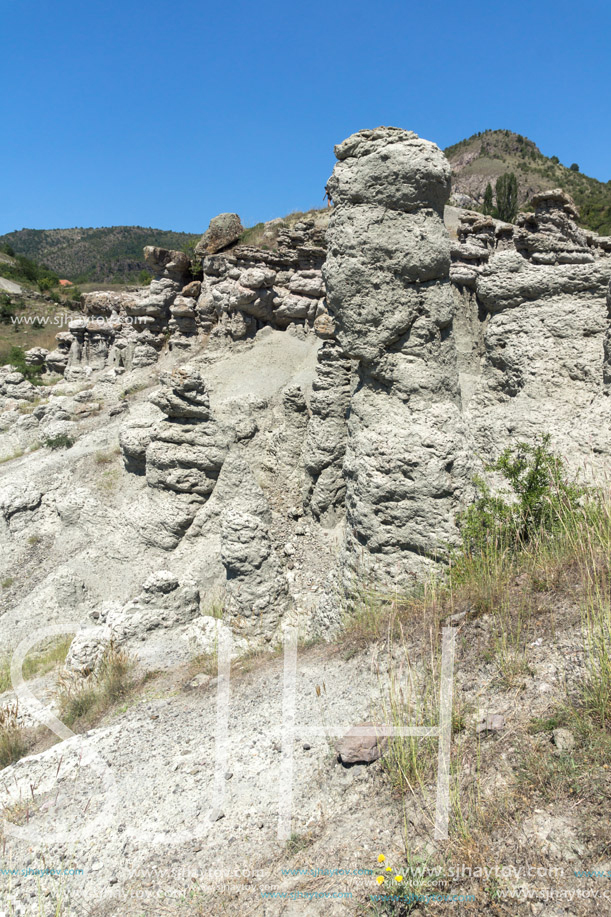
(164, 813)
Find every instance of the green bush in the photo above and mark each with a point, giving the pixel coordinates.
(24, 270)
(574, 167)
(7, 308)
(62, 441)
(538, 497)
(16, 358)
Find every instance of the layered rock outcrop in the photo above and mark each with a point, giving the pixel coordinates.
(222, 231)
(228, 294)
(325, 444)
(184, 452)
(533, 317)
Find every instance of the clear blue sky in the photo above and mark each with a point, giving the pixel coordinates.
(164, 114)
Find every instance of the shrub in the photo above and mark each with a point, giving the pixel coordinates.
(145, 277)
(93, 695)
(16, 358)
(7, 308)
(574, 167)
(555, 160)
(12, 742)
(539, 496)
(62, 441)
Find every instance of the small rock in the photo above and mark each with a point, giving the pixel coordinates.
(216, 815)
(118, 408)
(564, 741)
(494, 722)
(362, 744)
(200, 681)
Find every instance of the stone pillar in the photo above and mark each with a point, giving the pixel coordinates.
(388, 289)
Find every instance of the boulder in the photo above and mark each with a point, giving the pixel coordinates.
(222, 231)
(362, 744)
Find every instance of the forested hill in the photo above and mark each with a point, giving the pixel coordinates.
(482, 158)
(108, 254)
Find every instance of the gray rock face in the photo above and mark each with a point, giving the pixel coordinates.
(388, 290)
(163, 263)
(16, 499)
(183, 395)
(257, 591)
(163, 602)
(222, 231)
(15, 387)
(325, 445)
(532, 319)
(186, 451)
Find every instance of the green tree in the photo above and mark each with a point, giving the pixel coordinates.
(488, 206)
(555, 160)
(507, 197)
(574, 167)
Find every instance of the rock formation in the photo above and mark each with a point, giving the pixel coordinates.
(388, 289)
(532, 305)
(325, 445)
(331, 387)
(222, 231)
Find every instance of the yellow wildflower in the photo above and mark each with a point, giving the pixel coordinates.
(380, 879)
(389, 869)
(398, 878)
(381, 858)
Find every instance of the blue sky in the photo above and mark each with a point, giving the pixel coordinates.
(164, 114)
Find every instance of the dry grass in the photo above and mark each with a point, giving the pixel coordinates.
(264, 235)
(37, 662)
(84, 701)
(502, 601)
(12, 742)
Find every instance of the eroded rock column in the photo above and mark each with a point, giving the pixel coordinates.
(387, 276)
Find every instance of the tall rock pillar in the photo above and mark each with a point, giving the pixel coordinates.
(388, 289)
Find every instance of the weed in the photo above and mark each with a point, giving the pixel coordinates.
(400, 887)
(103, 458)
(298, 842)
(12, 742)
(61, 441)
(94, 695)
(8, 582)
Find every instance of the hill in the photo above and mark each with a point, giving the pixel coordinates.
(107, 254)
(484, 156)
